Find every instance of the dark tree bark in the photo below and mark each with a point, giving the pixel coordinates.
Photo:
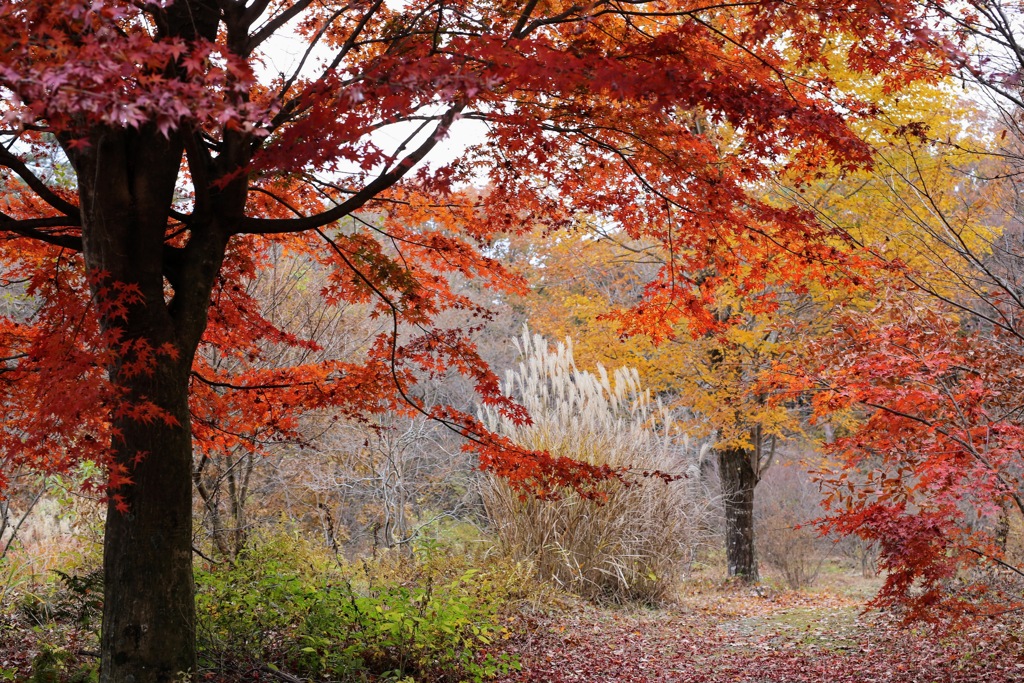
(126, 181)
(1002, 534)
(126, 185)
(738, 471)
(148, 607)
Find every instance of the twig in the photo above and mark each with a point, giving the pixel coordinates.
(287, 677)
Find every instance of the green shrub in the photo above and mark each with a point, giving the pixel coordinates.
(72, 599)
(430, 615)
(49, 665)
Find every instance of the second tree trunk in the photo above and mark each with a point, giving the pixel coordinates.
(738, 477)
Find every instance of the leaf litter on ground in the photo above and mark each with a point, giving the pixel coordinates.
(747, 636)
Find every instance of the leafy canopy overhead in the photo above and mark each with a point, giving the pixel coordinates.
(599, 109)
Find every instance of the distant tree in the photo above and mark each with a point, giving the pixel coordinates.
(712, 379)
(921, 138)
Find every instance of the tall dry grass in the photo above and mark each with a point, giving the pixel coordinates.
(633, 547)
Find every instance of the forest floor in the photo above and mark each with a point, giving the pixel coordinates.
(713, 633)
(719, 635)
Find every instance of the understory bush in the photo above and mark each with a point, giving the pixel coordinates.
(634, 546)
(49, 628)
(788, 500)
(285, 604)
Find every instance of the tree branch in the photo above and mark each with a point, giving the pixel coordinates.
(11, 161)
(31, 229)
(265, 226)
(275, 24)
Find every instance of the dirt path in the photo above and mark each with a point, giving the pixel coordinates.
(743, 638)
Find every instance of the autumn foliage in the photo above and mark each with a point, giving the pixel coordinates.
(74, 69)
(156, 155)
(932, 471)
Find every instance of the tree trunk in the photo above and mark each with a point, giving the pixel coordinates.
(1002, 532)
(149, 599)
(126, 187)
(738, 477)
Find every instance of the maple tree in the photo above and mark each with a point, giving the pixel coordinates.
(923, 366)
(190, 158)
(924, 220)
(933, 468)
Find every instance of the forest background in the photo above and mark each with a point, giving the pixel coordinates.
(724, 292)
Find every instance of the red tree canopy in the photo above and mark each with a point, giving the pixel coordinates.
(656, 118)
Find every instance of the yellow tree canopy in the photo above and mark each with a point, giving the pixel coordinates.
(924, 196)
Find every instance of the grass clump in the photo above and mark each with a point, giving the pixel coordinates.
(635, 546)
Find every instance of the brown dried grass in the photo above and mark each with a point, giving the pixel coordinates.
(635, 546)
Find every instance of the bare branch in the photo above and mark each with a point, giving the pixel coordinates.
(32, 229)
(265, 226)
(11, 161)
(271, 27)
